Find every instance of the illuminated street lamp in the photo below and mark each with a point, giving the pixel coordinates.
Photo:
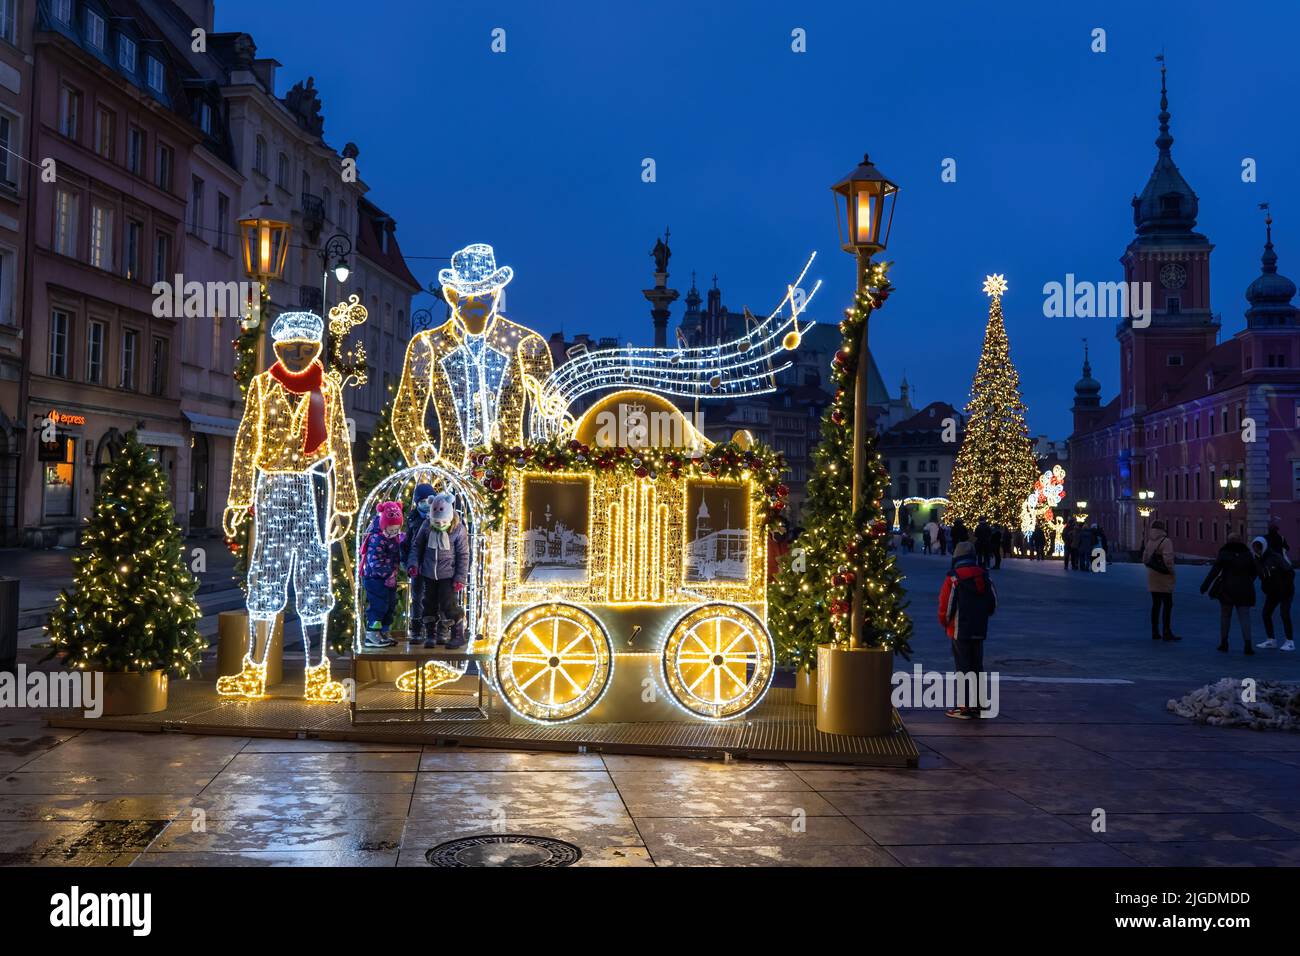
(1230, 487)
(1081, 516)
(264, 240)
(864, 215)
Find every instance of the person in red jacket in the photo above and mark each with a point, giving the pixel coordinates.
(966, 602)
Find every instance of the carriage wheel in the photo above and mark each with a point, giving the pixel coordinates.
(718, 661)
(553, 663)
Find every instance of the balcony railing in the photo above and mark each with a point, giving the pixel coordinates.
(309, 297)
(313, 215)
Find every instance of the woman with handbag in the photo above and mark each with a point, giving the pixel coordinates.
(1158, 556)
(1231, 582)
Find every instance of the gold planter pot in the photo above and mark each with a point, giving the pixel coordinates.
(805, 687)
(134, 693)
(853, 690)
(232, 645)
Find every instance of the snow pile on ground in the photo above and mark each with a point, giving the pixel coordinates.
(1260, 705)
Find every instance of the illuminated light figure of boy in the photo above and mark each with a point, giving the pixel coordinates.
(293, 465)
(475, 368)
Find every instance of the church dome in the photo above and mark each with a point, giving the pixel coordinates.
(1271, 293)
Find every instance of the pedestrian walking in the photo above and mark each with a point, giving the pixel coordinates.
(943, 540)
(983, 542)
(1277, 581)
(1083, 546)
(930, 537)
(1071, 537)
(1275, 540)
(967, 600)
(1158, 556)
(958, 534)
(1231, 582)
(996, 537)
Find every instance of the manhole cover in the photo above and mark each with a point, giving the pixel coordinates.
(504, 849)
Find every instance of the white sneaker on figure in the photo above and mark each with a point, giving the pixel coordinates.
(1269, 643)
(1289, 646)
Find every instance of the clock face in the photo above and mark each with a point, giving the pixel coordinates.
(1173, 275)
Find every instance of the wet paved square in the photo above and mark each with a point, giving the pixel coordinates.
(1071, 773)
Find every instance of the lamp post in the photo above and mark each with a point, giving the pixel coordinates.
(864, 215)
(1145, 509)
(264, 243)
(334, 254)
(1230, 488)
(1081, 515)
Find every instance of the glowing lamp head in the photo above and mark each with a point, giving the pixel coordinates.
(341, 271)
(864, 208)
(264, 242)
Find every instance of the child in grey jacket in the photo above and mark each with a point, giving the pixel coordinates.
(440, 556)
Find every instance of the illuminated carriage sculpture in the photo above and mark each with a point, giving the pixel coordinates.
(627, 581)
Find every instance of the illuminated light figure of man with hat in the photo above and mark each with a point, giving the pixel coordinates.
(478, 368)
(293, 466)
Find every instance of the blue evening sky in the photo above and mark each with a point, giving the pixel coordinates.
(539, 151)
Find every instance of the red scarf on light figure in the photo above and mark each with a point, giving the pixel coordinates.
(307, 381)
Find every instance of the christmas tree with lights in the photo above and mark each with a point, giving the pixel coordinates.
(811, 598)
(995, 468)
(131, 606)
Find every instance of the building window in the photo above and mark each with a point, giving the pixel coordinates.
(158, 368)
(95, 332)
(1224, 412)
(126, 53)
(326, 200)
(7, 18)
(163, 177)
(104, 124)
(95, 29)
(1173, 306)
(205, 118)
(135, 150)
(282, 172)
(130, 359)
(62, 10)
(162, 256)
(134, 250)
(65, 222)
(1174, 359)
(1200, 529)
(223, 222)
(59, 323)
(343, 215)
(196, 205)
(69, 112)
(8, 162)
(101, 238)
(259, 156)
(59, 459)
(154, 70)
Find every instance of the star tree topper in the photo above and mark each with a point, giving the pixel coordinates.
(995, 285)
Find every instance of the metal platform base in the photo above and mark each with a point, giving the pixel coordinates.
(778, 729)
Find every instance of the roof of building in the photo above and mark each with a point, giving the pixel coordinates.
(372, 223)
(1167, 205)
(929, 418)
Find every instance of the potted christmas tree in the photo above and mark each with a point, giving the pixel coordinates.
(810, 601)
(130, 612)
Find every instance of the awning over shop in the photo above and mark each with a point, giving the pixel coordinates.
(212, 424)
(165, 439)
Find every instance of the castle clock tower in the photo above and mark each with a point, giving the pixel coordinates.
(1170, 262)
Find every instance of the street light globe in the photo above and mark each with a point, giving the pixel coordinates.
(341, 272)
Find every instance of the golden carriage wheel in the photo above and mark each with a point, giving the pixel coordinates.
(553, 662)
(718, 661)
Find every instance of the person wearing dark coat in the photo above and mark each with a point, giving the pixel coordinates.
(1277, 581)
(1071, 538)
(1231, 582)
(996, 537)
(959, 533)
(983, 542)
(1276, 542)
